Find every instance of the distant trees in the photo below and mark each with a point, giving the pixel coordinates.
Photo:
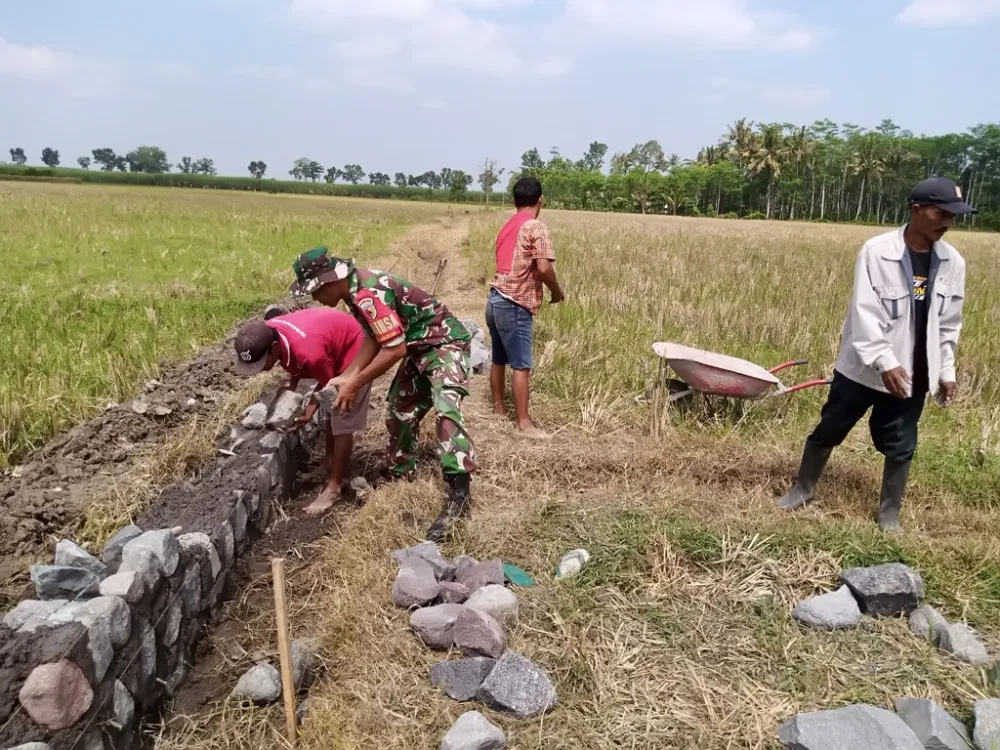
(50, 157)
(306, 169)
(353, 173)
(18, 157)
(400, 180)
(148, 159)
(204, 166)
(459, 183)
(83, 161)
(105, 157)
(257, 169)
(489, 177)
(379, 178)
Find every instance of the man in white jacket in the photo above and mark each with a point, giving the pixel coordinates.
(897, 346)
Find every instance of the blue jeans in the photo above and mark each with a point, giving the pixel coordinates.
(511, 328)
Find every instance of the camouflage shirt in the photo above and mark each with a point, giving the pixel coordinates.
(395, 311)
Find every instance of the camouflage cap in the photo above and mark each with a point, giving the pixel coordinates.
(317, 267)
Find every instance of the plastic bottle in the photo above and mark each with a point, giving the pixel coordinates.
(572, 562)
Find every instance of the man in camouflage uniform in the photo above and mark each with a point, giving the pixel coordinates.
(405, 324)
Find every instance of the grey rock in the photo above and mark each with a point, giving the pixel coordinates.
(478, 634)
(170, 624)
(32, 746)
(886, 590)
(190, 590)
(987, 732)
(201, 545)
(497, 601)
(176, 678)
(473, 731)
(72, 555)
(62, 582)
(162, 544)
(480, 358)
(147, 657)
(93, 740)
(225, 542)
(56, 695)
(517, 686)
(463, 563)
(415, 584)
(960, 641)
(429, 552)
(935, 728)
(481, 574)
(302, 711)
(927, 623)
(274, 310)
(123, 705)
(305, 662)
(147, 569)
(126, 585)
(327, 396)
(109, 612)
(360, 485)
(271, 442)
(261, 685)
(474, 329)
(254, 417)
(239, 521)
(858, 726)
(112, 552)
(453, 593)
(835, 610)
(436, 625)
(462, 678)
(30, 614)
(284, 410)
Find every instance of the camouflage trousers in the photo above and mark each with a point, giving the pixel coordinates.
(439, 379)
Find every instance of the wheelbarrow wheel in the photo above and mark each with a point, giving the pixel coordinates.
(677, 386)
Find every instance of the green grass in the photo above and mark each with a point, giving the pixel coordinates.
(102, 284)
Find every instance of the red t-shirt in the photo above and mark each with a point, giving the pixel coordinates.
(317, 343)
(507, 240)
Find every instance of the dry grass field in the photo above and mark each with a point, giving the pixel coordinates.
(677, 634)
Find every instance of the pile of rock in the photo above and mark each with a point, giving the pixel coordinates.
(480, 357)
(885, 591)
(464, 605)
(261, 684)
(917, 724)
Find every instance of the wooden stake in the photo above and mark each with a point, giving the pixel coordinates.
(284, 646)
(437, 278)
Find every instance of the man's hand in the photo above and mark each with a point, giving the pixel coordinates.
(948, 393)
(347, 391)
(557, 297)
(288, 384)
(304, 418)
(897, 381)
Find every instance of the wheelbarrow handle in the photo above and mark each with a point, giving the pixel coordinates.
(789, 363)
(803, 386)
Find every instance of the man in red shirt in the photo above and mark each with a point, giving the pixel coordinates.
(524, 264)
(317, 344)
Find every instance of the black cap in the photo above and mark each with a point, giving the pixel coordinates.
(252, 344)
(943, 193)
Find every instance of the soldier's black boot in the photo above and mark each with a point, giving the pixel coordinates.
(894, 477)
(455, 506)
(814, 460)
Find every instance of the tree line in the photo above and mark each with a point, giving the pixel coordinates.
(818, 172)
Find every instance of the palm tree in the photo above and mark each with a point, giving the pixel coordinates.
(740, 139)
(868, 164)
(800, 150)
(768, 157)
(897, 159)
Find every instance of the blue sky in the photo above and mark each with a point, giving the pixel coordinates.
(411, 85)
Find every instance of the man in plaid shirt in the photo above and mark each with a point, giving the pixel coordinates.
(525, 261)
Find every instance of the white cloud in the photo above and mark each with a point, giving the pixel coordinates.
(434, 104)
(36, 63)
(795, 94)
(950, 12)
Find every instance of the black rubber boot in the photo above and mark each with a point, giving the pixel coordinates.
(455, 506)
(894, 477)
(814, 460)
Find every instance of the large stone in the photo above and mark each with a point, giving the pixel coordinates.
(226, 543)
(148, 655)
(32, 746)
(473, 731)
(56, 695)
(478, 634)
(30, 614)
(254, 417)
(517, 686)
(858, 726)
(987, 732)
(110, 613)
(835, 610)
(935, 728)
(481, 574)
(415, 584)
(146, 567)
(886, 590)
(163, 545)
(126, 585)
(497, 601)
(429, 552)
(261, 685)
(123, 705)
(72, 555)
(64, 582)
(284, 410)
(960, 641)
(453, 593)
(169, 626)
(463, 563)
(305, 662)
(112, 552)
(436, 625)
(190, 590)
(239, 519)
(271, 442)
(927, 623)
(462, 678)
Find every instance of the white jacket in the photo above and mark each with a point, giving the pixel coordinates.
(880, 328)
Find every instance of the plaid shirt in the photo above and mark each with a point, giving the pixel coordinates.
(523, 285)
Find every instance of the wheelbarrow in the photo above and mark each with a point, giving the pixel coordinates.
(722, 375)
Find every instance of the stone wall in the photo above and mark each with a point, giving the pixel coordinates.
(107, 641)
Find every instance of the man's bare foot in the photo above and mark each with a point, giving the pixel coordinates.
(500, 410)
(532, 432)
(324, 502)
